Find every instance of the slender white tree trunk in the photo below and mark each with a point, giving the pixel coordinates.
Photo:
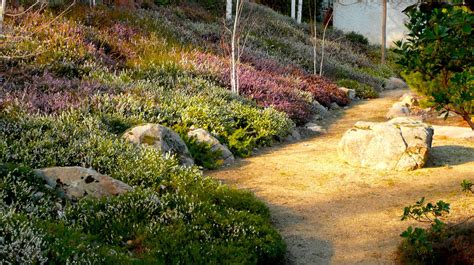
(293, 9)
(384, 30)
(315, 72)
(322, 45)
(228, 10)
(2, 12)
(234, 52)
(300, 11)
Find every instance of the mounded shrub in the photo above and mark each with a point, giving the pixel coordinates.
(173, 215)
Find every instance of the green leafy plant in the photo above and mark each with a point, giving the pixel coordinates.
(419, 241)
(440, 242)
(241, 142)
(437, 57)
(467, 186)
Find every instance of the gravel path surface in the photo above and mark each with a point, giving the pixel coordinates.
(331, 213)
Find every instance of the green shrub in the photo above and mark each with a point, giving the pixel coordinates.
(362, 90)
(174, 214)
(192, 102)
(357, 39)
(444, 73)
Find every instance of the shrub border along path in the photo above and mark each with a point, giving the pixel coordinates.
(331, 213)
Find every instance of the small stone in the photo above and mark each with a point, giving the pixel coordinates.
(350, 93)
(398, 109)
(203, 136)
(334, 106)
(408, 100)
(314, 128)
(395, 83)
(319, 109)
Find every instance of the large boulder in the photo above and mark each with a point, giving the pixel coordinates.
(203, 136)
(395, 83)
(399, 144)
(77, 182)
(161, 138)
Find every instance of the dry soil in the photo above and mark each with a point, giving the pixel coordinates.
(331, 213)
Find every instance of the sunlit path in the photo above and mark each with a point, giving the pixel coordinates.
(332, 213)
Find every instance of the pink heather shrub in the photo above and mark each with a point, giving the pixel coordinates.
(266, 88)
(271, 84)
(269, 65)
(322, 89)
(48, 94)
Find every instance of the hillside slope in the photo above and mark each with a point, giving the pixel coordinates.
(71, 83)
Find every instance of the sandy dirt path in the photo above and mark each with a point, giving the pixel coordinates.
(331, 213)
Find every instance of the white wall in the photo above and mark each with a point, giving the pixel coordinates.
(365, 17)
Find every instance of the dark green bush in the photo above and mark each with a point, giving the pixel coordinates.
(357, 39)
(437, 57)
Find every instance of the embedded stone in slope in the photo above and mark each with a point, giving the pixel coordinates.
(350, 93)
(78, 182)
(203, 136)
(161, 138)
(399, 144)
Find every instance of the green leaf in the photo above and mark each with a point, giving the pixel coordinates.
(467, 29)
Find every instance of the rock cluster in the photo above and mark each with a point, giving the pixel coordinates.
(166, 140)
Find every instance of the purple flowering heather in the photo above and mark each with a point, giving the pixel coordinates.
(48, 94)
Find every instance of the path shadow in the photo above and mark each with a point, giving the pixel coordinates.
(305, 248)
(450, 155)
(301, 247)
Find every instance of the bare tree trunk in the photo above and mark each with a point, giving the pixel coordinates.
(293, 9)
(228, 10)
(300, 11)
(384, 30)
(322, 45)
(315, 71)
(234, 53)
(2, 12)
